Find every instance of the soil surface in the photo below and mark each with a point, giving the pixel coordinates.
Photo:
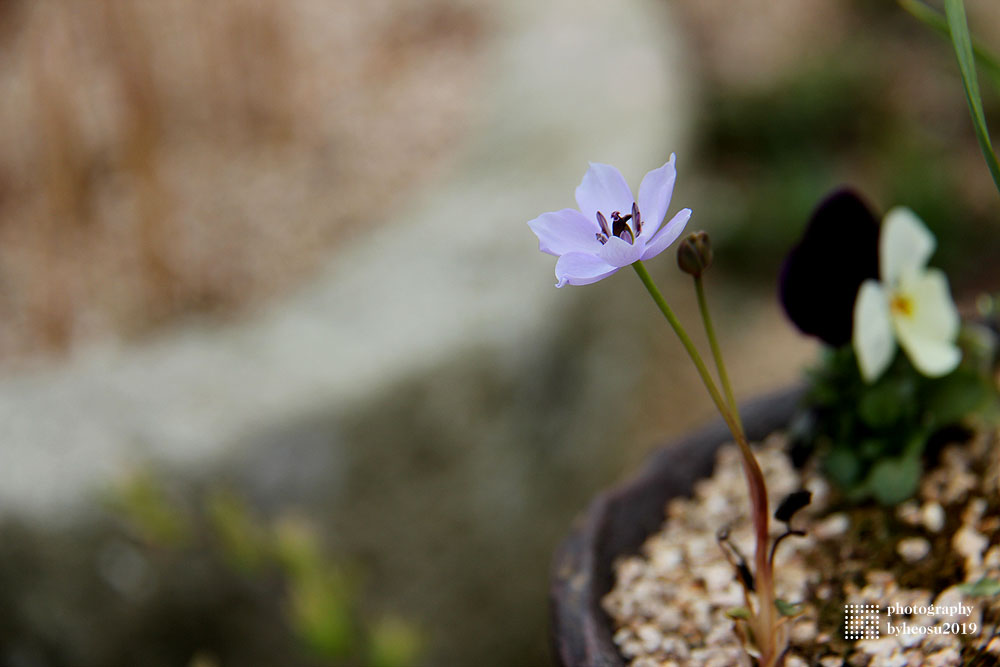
(940, 549)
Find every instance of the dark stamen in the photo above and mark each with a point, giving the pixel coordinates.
(603, 222)
(636, 219)
(621, 228)
(601, 237)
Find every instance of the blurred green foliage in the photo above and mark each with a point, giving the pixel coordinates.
(319, 594)
(143, 502)
(770, 153)
(872, 438)
(320, 598)
(983, 588)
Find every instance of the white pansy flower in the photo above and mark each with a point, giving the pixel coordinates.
(912, 304)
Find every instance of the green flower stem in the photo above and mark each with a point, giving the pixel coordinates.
(720, 365)
(764, 622)
(661, 303)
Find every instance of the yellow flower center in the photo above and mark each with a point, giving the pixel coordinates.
(901, 304)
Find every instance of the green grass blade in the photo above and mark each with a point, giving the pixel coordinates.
(955, 13)
(931, 17)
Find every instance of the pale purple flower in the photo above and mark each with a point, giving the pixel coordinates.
(612, 229)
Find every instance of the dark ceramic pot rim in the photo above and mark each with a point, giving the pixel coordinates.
(620, 519)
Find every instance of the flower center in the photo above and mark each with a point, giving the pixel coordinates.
(619, 225)
(901, 304)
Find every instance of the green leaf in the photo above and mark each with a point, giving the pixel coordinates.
(882, 405)
(320, 595)
(842, 466)
(738, 612)
(894, 480)
(787, 608)
(875, 448)
(242, 536)
(936, 20)
(956, 396)
(982, 588)
(394, 643)
(145, 504)
(955, 13)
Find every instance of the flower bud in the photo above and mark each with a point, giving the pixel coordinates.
(694, 255)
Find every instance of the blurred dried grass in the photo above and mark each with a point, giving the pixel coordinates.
(163, 159)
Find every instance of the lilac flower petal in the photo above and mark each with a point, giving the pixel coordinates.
(821, 275)
(654, 195)
(667, 235)
(619, 252)
(565, 231)
(603, 189)
(580, 268)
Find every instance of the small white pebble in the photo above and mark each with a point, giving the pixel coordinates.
(676, 647)
(630, 569)
(820, 493)
(832, 526)
(974, 511)
(666, 559)
(946, 657)
(803, 632)
(909, 512)
(970, 544)
(650, 637)
(668, 619)
(949, 597)
(880, 584)
(645, 661)
(895, 660)
(886, 647)
(883, 646)
(912, 549)
(723, 658)
(933, 517)
(717, 577)
(991, 560)
(934, 643)
(631, 648)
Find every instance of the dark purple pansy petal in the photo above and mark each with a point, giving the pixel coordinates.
(821, 275)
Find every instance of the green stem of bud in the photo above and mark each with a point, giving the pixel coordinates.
(720, 365)
(692, 351)
(763, 621)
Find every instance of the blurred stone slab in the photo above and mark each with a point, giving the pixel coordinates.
(432, 400)
(457, 271)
